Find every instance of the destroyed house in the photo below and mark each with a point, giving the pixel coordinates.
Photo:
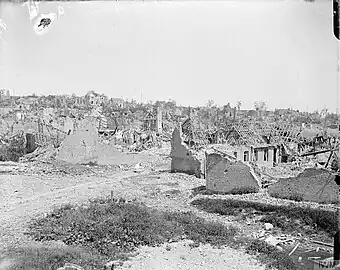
(152, 121)
(117, 102)
(131, 136)
(250, 146)
(192, 133)
(219, 136)
(4, 94)
(94, 99)
(149, 121)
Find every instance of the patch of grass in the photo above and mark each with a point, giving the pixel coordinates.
(173, 192)
(282, 216)
(111, 230)
(243, 190)
(236, 191)
(297, 197)
(270, 256)
(294, 197)
(200, 190)
(42, 258)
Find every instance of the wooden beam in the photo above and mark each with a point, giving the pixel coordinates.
(322, 243)
(329, 158)
(317, 152)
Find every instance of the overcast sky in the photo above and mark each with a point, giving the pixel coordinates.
(281, 52)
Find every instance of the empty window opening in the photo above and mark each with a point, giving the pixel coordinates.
(265, 155)
(246, 156)
(256, 155)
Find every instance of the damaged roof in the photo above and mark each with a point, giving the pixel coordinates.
(244, 133)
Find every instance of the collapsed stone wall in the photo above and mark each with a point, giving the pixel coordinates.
(80, 147)
(183, 159)
(316, 185)
(228, 176)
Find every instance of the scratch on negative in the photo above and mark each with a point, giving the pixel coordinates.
(42, 22)
(3, 27)
(33, 8)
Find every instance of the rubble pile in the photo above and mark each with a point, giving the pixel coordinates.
(41, 154)
(270, 175)
(80, 147)
(61, 168)
(149, 141)
(13, 168)
(277, 241)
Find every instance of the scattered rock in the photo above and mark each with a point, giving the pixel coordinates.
(261, 234)
(268, 226)
(137, 166)
(112, 264)
(271, 240)
(279, 248)
(71, 266)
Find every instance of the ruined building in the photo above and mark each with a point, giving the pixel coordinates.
(4, 94)
(153, 121)
(184, 159)
(248, 145)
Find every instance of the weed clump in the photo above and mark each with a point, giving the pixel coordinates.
(114, 229)
(285, 217)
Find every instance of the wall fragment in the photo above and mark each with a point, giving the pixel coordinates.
(183, 159)
(229, 176)
(316, 185)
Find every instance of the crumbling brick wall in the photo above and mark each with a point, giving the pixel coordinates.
(313, 184)
(225, 175)
(183, 159)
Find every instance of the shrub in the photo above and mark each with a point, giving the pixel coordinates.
(279, 215)
(114, 229)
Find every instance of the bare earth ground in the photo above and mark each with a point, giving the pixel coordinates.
(35, 192)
